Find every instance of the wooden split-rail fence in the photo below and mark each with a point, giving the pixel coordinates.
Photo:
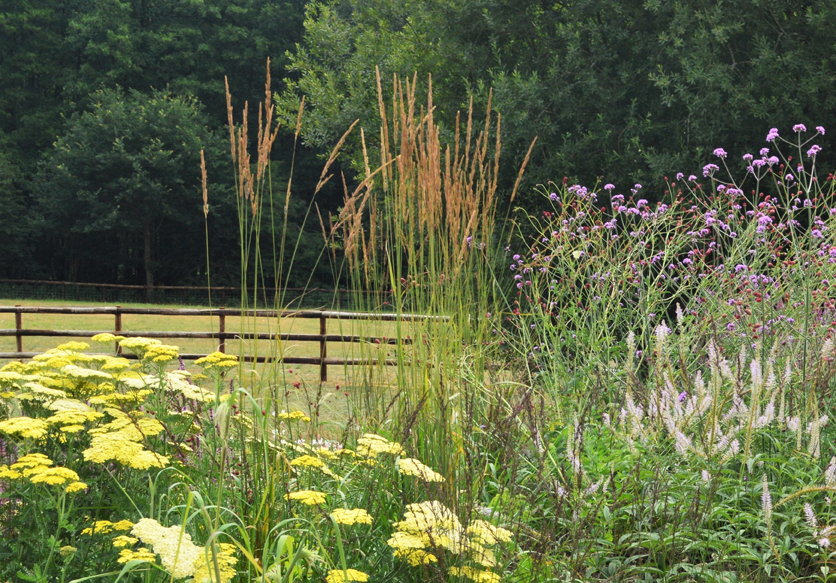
(222, 335)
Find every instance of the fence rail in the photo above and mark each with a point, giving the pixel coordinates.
(19, 332)
(185, 294)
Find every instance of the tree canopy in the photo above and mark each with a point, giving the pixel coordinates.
(621, 91)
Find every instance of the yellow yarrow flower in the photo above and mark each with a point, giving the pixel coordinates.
(122, 541)
(340, 576)
(352, 516)
(25, 427)
(75, 487)
(106, 337)
(205, 571)
(307, 461)
(293, 416)
(162, 353)
(476, 575)
(412, 467)
(431, 522)
(54, 476)
(309, 497)
(175, 548)
(487, 534)
(9, 474)
(116, 447)
(67, 550)
(31, 461)
(72, 346)
(99, 527)
(370, 445)
(415, 557)
(140, 554)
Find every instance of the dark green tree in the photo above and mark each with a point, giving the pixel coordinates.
(629, 91)
(121, 195)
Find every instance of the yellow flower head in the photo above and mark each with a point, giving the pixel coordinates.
(72, 346)
(486, 533)
(67, 550)
(308, 461)
(476, 575)
(75, 487)
(140, 554)
(433, 524)
(175, 548)
(99, 527)
(123, 541)
(54, 476)
(205, 571)
(411, 467)
(353, 516)
(9, 474)
(340, 576)
(415, 557)
(161, 353)
(294, 416)
(309, 497)
(370, 445)
(106, 337)
(217, 360)
(25, 427)
(31, 460)
(116, 447)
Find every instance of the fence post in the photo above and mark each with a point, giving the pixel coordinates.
(222, 330)
(117, 327)
(323, 349)
(18, 328)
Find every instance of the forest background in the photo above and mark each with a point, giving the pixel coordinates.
(106, 104)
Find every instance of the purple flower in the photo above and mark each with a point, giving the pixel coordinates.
(638, 186)
(764, 152)
(772, 160)
(816, 234)
(789, 177)
(773, 133)
(609, 186)
(748, 157)
(692, 178)
(815, 149)
(679, 175)
(799, 127)
(720, 153)
(709, 169)
(516, 257)
(553, 196)
(682, 396)
(820, 129)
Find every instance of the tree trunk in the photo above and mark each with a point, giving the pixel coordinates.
(149, 272)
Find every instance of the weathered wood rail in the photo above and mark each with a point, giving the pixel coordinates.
(19, 332)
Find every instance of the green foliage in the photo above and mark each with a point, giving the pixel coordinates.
(125, 176)
(627, 89)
